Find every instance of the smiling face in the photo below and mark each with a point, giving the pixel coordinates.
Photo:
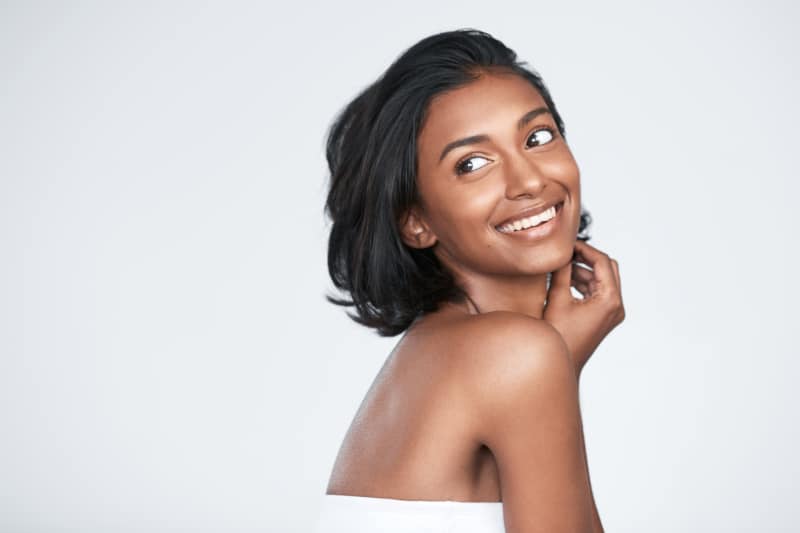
(490, 152)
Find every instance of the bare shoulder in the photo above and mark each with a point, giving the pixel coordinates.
(504, 347)
(506, 359)
(523, 394)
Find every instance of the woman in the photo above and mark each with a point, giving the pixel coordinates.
(457, 221)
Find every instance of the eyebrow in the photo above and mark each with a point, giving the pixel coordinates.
(474, 139)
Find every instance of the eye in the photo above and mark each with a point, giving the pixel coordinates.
(541, 136)
(465, 165)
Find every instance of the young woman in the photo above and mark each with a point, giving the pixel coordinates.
(457, 221)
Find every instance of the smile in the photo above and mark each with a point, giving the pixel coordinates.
(531, 221)
(534, 226)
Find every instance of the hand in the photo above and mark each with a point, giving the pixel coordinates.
(583, 323)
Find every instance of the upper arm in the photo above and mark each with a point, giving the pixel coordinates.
(529, 417)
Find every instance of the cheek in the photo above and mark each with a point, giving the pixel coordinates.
(562, 167)
(465, 216)
(461, 220)
(563, 170)
(477, 201)
(463, 206)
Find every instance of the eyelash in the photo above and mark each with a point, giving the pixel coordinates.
(462, 161)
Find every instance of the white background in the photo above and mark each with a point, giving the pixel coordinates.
(168, 359)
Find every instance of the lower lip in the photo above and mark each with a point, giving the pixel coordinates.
(540, 231)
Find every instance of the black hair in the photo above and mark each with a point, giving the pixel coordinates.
(371, 150)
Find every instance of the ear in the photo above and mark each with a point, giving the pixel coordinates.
(414, 231)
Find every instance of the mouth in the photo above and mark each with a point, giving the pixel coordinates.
(535, 226)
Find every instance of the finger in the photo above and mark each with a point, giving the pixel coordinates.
(600, 263)
(616, 273)
(587, 253)
(582, 288)
(582, 273)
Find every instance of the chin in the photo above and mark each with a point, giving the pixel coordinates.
(553, 257)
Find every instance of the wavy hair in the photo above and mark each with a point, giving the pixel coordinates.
(371, 150)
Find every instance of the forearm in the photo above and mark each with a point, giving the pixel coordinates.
(578, 368)
(597, 526)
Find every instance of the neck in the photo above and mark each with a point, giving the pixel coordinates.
(520, 294)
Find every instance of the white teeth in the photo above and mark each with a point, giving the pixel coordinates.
(526, 223)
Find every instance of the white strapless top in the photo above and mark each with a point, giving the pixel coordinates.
(363, 514)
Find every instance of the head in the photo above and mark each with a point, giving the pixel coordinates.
(427, 162)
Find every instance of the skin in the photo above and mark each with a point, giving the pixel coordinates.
(441, 421)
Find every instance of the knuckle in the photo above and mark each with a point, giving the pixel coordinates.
(615, 302)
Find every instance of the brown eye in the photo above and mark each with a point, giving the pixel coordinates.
(541, 136)
(467, 166)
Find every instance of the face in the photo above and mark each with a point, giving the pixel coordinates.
(490, 152)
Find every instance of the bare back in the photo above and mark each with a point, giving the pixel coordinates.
(414, 436)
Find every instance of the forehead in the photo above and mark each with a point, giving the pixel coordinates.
(493, 102)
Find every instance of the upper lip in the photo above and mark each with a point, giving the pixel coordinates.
(528, 212)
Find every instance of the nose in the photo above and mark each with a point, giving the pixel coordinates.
(523, 177)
